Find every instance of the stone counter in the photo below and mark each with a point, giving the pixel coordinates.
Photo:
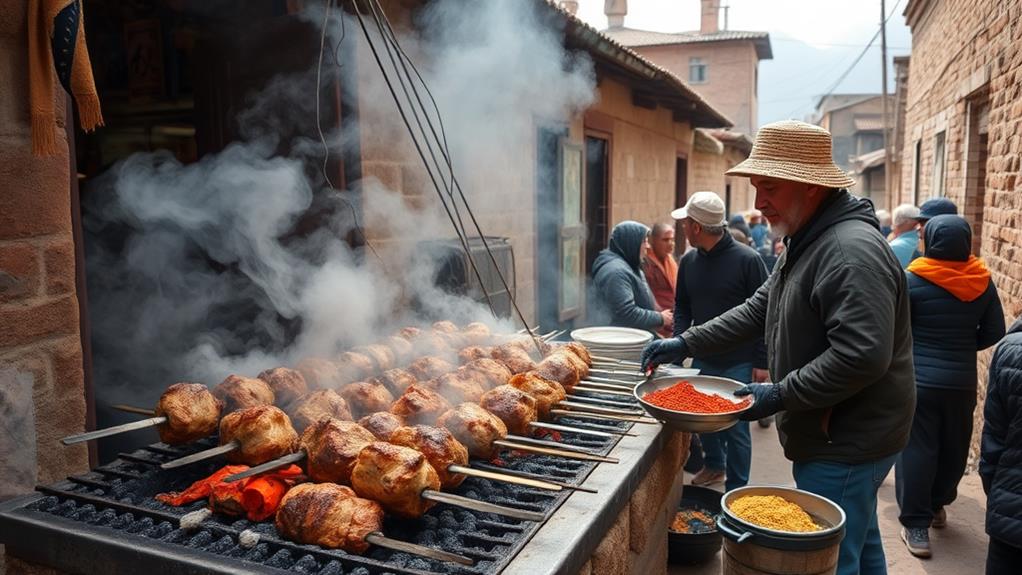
(623, 528)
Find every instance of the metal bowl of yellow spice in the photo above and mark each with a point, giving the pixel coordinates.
(781, 518)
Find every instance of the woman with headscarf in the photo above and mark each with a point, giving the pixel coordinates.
(955, 313)
(620, 283)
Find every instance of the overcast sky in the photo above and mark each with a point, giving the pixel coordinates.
(814, 42)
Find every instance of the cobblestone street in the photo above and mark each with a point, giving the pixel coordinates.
(960, 548)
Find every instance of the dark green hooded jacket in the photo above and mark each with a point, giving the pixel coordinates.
(835, 315)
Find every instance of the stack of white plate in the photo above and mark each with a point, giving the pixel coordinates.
(616, 342)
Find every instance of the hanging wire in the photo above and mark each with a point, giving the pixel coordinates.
(387, 31)
(322, 136)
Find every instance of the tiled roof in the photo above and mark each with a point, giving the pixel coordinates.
(634, 37)
(658, 80)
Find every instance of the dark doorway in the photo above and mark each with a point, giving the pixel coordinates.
(597, 180)
(680, 198)
(548, 226)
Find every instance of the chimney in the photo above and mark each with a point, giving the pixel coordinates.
(615, 11)
(709, 17)
(570, 6)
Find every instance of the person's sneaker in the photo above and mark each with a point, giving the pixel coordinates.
(939, 519)
(917, 539)
(708, 477)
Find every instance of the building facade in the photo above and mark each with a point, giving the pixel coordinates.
(963, 131)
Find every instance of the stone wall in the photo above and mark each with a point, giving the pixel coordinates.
(637, 542)
(41, 381)
(966, 72)
(645, 146)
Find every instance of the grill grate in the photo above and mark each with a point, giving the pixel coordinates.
(113, 507)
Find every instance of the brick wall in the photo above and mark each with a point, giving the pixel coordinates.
(967, 57)
(38, 307)
(730, 75)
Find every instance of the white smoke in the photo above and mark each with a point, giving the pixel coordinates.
(197, 271)
(17, 434)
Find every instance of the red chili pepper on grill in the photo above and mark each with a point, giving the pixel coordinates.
(682, 396)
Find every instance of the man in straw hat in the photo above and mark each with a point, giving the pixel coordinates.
(835, 315)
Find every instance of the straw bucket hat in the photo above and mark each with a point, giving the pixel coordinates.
(796, 151)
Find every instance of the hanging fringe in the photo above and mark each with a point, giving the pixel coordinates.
(44, 139)
(90, 116)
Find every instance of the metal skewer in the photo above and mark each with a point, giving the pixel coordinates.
(550, 444)
(122, 428)
(614, 360)
(636, 374)
(482, 506)
(597, 409)
(600, 379)
(577, 430)
(600, 401)
(202, 455)
(539, 476)
(599, 416)
(558, 452)
(506, 478)
(591, 387)
(381, 540)
(553, 335)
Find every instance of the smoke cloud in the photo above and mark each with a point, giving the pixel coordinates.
(202, 270)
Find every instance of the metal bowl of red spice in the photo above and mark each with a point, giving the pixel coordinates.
(697, 404)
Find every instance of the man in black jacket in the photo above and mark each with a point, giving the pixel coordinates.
(1000, 458)
(716, 276)
(835, 314)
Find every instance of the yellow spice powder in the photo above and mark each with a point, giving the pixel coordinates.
(773, 512)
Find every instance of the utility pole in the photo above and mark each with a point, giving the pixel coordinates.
(888, 192)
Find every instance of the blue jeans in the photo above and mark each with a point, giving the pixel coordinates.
(729, 450)
(854, 488)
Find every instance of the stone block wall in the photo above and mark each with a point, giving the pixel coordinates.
(41, 383)
(637, 542)
(967, 56)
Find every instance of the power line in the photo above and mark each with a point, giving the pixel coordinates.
(855, 62)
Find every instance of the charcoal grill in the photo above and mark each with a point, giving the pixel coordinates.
(107, 521)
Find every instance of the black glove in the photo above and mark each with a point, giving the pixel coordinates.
(768, 400)
(672, 349)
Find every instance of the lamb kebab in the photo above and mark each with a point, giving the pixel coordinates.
(184, 413)
(333, 516)
(405, 477)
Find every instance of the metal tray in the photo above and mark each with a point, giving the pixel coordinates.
(687, 421)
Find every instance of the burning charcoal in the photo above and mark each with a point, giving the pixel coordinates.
(201, 539)
(281, 559)
(193, 520)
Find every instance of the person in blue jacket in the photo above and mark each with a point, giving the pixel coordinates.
(1000, 457)
(955, 313)
(620, 284)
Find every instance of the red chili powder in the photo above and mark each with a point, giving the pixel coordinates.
(682, 396)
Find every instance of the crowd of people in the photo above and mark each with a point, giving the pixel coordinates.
(859, 330)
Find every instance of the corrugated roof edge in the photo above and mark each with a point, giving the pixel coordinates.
(651, 70)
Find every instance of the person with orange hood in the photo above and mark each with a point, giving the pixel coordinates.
(955, 313)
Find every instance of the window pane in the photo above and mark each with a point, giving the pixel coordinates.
(938, 166)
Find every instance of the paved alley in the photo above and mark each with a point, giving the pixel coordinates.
(958, 549)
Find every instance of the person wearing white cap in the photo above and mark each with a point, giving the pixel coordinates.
(836, 317)
(717, 275)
